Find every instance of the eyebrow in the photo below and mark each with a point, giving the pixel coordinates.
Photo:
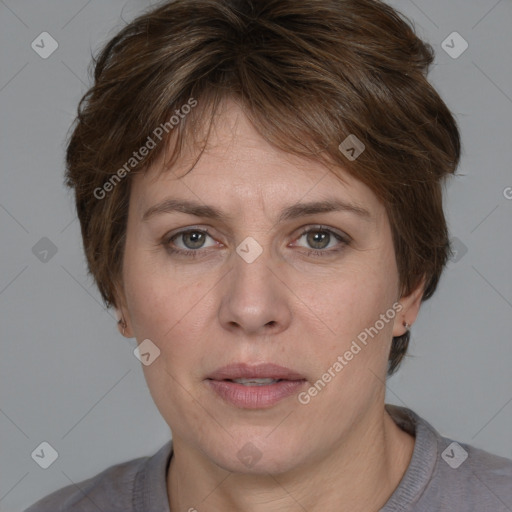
(288, 213)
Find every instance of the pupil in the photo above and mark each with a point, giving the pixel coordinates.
(195, 238)
(318, 236)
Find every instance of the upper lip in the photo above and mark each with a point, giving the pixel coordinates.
(258, 371)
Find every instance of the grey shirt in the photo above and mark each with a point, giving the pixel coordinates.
(442, 476)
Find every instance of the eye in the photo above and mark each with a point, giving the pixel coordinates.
(322, 240)
(191, 239)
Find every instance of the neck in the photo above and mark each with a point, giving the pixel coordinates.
(358, 474)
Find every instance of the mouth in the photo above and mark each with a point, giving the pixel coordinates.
(255, 387)
(260, 374)
(254, 382)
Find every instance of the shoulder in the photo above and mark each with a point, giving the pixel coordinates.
(486, 464)
(446, 475)
(474, 475)
(467, 478)
(111, 490)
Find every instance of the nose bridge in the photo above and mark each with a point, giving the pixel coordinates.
(253, 298)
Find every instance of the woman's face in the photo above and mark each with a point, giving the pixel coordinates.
(258, 290)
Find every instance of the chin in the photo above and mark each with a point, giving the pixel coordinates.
(256, 455)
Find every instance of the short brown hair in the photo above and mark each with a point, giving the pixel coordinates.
(308, 73)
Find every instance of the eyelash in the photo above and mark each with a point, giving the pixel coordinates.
(312, 252)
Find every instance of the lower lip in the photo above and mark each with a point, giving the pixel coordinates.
(255, 397)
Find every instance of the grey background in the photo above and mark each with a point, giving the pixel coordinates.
(69, 378)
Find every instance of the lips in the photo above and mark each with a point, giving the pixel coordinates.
(255, 386)
(259, 371)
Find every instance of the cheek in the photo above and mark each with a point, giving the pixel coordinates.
(350, 308)
(164, 307)
(356, 346)
(175, 311)
(352, 299)
(168, 314)
(158, 295)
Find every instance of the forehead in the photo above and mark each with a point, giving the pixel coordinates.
(239, 167)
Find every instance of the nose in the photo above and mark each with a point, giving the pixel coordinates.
(255, 297)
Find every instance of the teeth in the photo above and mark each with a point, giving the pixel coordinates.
(255, 382)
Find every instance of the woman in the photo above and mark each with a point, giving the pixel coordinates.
(259, 191)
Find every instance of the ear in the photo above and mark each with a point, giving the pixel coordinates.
(122, 313)
(410, 309)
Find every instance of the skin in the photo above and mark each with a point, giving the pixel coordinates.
(341, 451)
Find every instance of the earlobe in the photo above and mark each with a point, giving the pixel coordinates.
(123, 326)
(122, 314)
(410, 309)
(121, 322)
